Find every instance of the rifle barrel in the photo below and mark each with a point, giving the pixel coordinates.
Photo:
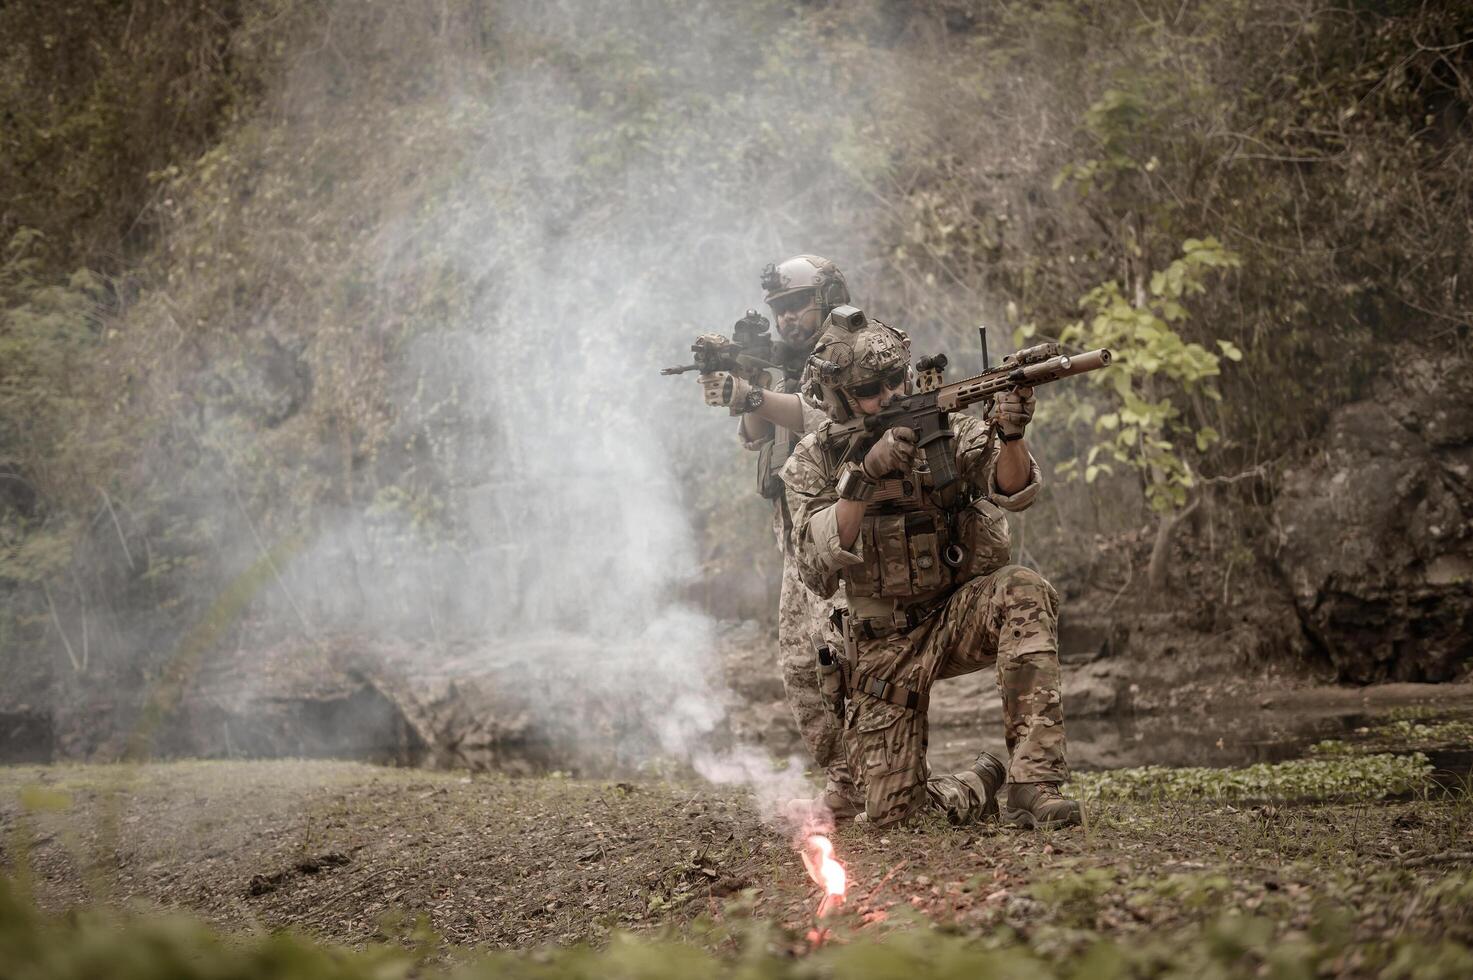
(959, 394)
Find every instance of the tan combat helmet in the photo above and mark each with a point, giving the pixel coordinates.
(852, 351)
(807, 272)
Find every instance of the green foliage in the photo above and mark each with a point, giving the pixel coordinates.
(1076, 897)
(1426, 734)
(234, 175)
(97, 96)
(48, 330)
(98, 943)
(1154, 371)
(1338, 777)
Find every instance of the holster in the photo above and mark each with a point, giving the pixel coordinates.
(833, 680)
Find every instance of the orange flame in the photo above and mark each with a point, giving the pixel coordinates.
(825, 870)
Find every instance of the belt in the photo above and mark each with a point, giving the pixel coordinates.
(885, 690)
(903, 621)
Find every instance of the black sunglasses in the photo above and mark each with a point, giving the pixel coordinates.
(895, 379)
(792, 303)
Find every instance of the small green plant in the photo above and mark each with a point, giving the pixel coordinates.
(1425, 734)
(1340, 777)
(1076, 897)
(1400, 735)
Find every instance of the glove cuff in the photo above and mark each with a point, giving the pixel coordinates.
(854, 483)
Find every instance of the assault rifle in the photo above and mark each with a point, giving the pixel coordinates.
(750, 351)
(926, 411)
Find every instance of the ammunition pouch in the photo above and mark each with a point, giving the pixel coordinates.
(903, 555)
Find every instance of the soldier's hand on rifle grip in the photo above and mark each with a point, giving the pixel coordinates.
(1012, 412)
(895, 451)
(725, 390)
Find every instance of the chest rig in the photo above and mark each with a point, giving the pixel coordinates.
(913, 545)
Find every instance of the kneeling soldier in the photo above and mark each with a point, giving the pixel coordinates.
(931, 593)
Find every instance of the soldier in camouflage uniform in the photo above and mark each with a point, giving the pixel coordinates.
(801, 292)
(930, 591)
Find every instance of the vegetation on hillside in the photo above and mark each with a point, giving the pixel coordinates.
(247, 247)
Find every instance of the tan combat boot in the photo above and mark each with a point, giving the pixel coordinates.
(842, 798)
(1039, 805)
(969, 795)
(839, 801)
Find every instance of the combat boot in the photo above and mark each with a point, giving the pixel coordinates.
(842, 798)
(969, 795)
(839, 801)
(1039, 805)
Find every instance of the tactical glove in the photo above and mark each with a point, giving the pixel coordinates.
(725, 388)
(1012, 412)
(894, 451)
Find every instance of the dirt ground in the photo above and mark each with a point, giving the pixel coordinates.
(355, 853)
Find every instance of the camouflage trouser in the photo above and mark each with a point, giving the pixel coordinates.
(1008, 618)
(800, 616)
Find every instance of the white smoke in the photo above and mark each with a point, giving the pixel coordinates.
(572, 541)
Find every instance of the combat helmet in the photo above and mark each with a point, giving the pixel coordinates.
(852, 350)
(805, 272)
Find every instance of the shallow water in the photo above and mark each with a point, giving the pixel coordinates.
(1212, 739)
(1215, 740)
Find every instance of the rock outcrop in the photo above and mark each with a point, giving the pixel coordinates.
(1374, 535)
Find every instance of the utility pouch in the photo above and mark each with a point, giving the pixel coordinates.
(924, 543)
(983, 528)
(892, 554)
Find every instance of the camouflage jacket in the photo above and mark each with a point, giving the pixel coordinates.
(810, 474)
(774, 452)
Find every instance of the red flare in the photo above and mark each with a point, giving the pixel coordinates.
(825, 870)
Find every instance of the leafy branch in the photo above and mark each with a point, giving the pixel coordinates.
(1142, 427)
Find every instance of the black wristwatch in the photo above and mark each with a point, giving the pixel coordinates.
(754, 399)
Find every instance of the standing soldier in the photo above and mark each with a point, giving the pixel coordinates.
(801, 292)
(930, 591)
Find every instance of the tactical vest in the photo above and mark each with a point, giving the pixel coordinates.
(914, 548)
(773, 455)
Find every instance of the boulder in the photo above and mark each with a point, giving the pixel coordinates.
(1374, 534)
